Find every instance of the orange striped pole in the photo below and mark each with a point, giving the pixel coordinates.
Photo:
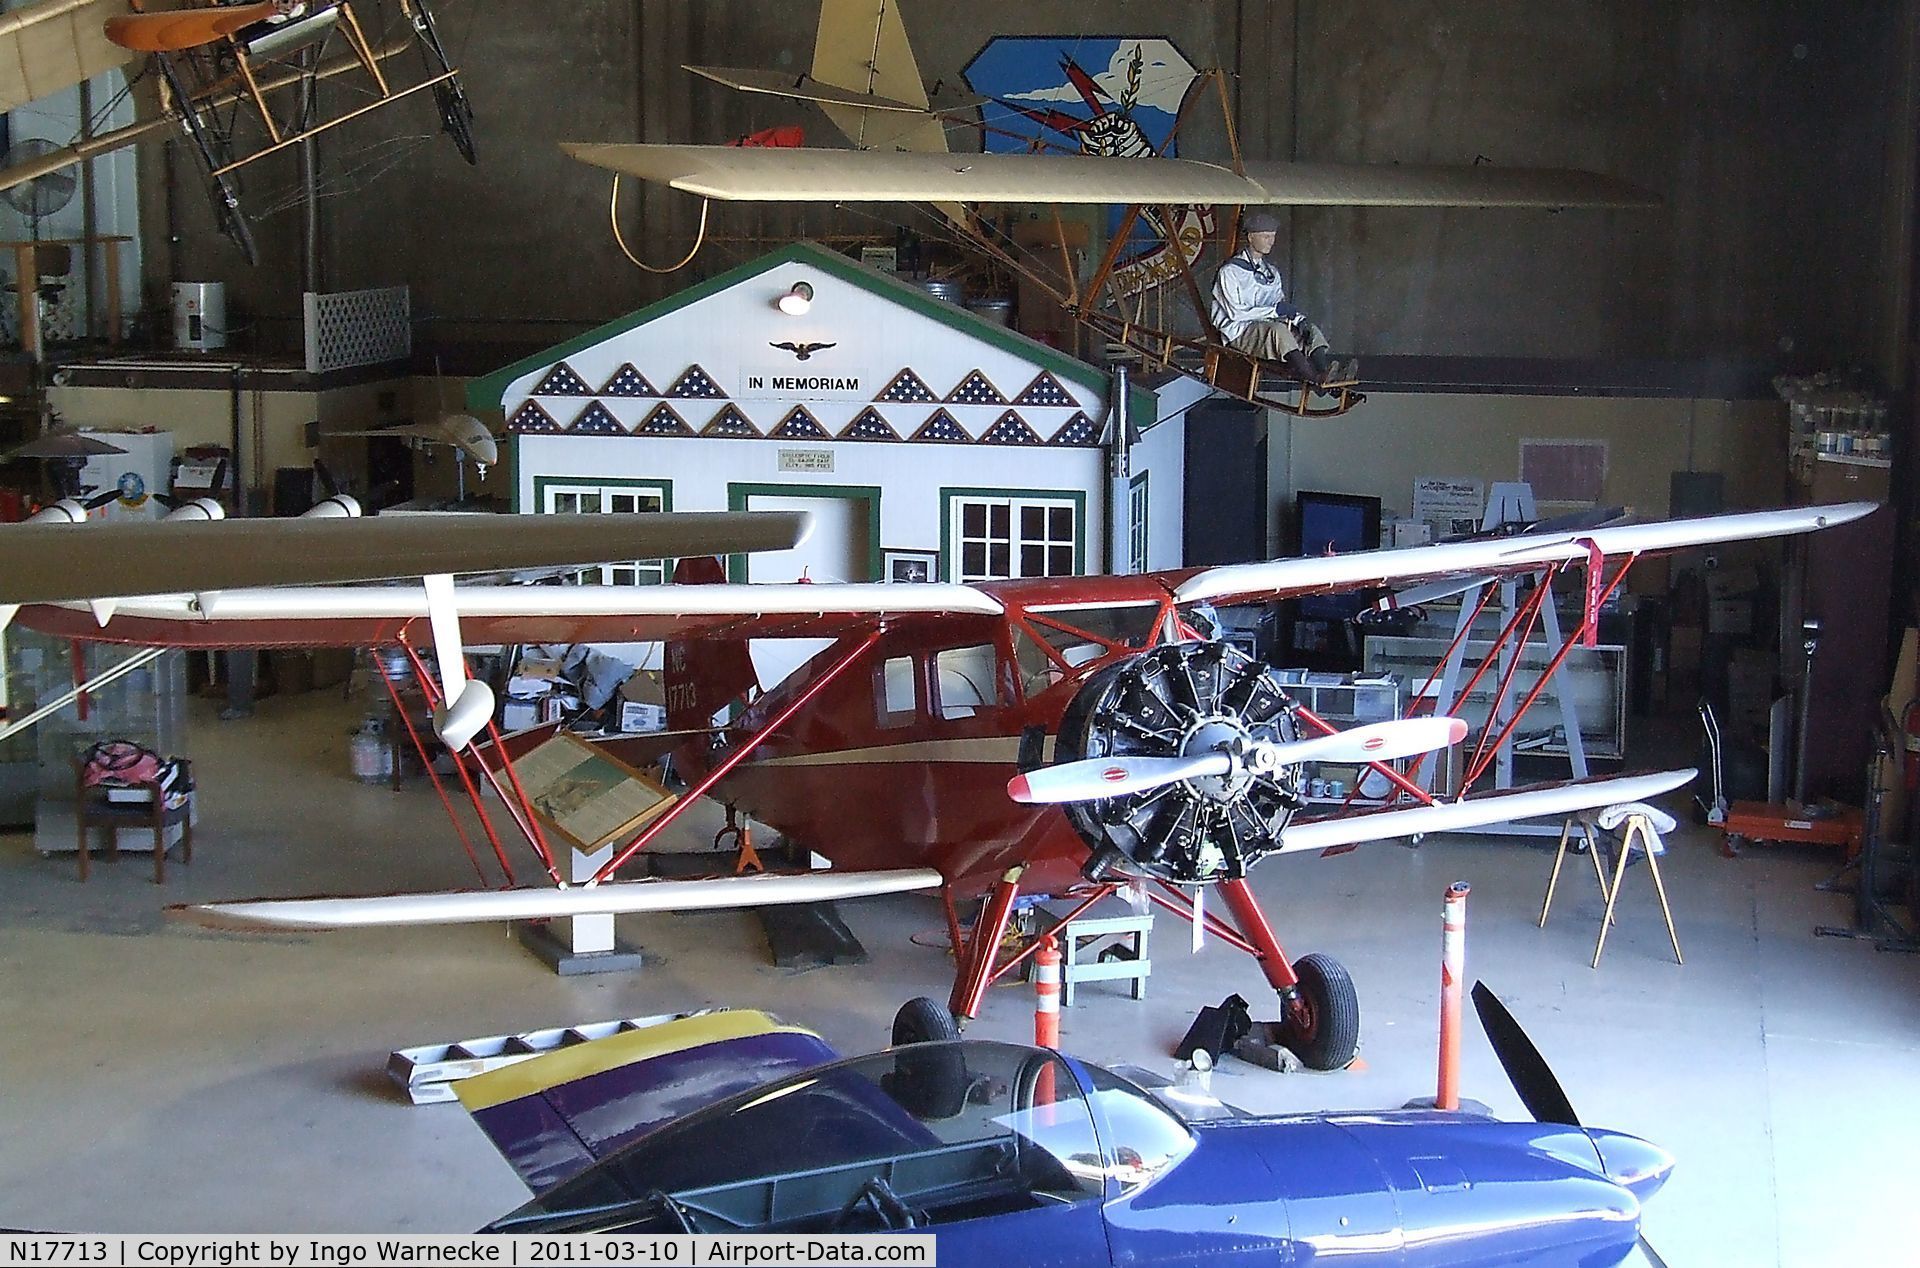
(1046, 1013)
(1453, 969)
(1046, 994)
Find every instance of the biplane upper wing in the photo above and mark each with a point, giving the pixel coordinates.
(55, 44)
(47, 563)
(1496, 557)
(822, 175)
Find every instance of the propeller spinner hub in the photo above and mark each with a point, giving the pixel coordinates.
(1220, 733)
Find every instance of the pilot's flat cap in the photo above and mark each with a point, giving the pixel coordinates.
(1260, 220)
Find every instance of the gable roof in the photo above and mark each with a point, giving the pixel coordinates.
(485, 393)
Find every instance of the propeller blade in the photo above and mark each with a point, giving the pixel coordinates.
(1526, 1069)
(1376, 742)
(219, 481)
(1099, 777)
(1653, 1256)
(327, 482)
(99, 500)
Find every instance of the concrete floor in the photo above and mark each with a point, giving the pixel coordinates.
(161, 1078)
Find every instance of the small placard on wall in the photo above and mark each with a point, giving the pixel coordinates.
(812, 460)
(1572, 471)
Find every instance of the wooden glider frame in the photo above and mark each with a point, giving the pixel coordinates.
(205, 88)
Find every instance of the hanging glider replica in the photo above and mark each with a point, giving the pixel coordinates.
(221, 73)
(1049, 736)
(865, 78)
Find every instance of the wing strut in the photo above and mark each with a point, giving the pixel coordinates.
(733, 759)
(468, 703)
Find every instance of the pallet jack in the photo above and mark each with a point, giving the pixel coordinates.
(1794, 821)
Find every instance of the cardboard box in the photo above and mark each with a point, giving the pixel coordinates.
(637, 716)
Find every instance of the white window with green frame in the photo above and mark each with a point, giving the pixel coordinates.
(994, 536)
(568, 495)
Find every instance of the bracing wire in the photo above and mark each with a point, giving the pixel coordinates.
(699, 237)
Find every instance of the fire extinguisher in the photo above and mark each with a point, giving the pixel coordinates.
(1910, 733)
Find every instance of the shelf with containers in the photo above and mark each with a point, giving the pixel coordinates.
(1344, 701)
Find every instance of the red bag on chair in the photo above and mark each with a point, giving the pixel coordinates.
(119, 762)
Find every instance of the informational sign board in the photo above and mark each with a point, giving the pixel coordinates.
(1452, 506)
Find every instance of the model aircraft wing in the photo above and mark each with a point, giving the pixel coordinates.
(1528, 552)
(55, 44)
(50, 563)
(1410, 185)
(820, 175)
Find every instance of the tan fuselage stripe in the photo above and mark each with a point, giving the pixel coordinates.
(1003, 749)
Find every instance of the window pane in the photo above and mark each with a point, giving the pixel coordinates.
(973, 519)
(999, 559)
(965, 678)
(566, 503)
(1000, 518)
(1033, 521)
(1033, 561)
(1060, 523)
(898, 691)
(1060, 561)
(973, 560)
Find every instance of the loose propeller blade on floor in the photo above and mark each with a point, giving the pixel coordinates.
(1098, 777)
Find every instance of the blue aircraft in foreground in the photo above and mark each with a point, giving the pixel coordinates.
(731, 1122)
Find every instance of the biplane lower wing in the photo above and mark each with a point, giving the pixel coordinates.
(763, 889)
(822, 175)
(1479, 810)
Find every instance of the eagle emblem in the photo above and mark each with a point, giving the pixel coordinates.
(802, 351)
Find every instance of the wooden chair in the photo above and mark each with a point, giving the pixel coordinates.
(92, 809)
(1641, 827)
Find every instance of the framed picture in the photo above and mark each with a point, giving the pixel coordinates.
(910, 565)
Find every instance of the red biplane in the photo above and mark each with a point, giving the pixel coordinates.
(1056, 736)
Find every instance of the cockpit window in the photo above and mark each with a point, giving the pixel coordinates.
(919, 1135)
(1118, 625)
(1142, 1139)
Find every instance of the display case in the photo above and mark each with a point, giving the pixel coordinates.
(1596, 678)
(146, 705)
(1345, 700)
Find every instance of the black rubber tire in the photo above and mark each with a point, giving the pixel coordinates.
(1324, 1032)
(922, 1020)
(929, 1085)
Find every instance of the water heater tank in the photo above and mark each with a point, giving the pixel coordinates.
(199, 316)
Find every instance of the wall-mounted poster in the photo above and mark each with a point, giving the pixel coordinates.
(910, 565)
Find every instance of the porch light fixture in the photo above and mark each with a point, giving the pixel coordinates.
(797, 300)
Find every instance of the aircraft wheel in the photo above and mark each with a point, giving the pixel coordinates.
(929, 1085)
(921, 1020)
(1322, 1025)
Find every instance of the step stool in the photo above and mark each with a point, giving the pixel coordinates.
(1079, 953)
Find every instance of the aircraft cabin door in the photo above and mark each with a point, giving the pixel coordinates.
(838, 549)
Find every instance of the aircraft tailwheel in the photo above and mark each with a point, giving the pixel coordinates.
(922, 1020)
(1322, 1021)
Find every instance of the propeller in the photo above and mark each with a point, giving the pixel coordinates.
(72, 510)
(1096, 778)
(1534, 1082)
(200, 508)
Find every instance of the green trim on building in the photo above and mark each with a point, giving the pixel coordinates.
(1141, 528)
(737, 495)
(485, 393)
(1076, 496)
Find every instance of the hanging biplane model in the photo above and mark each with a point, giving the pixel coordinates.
(865, 78)
(239, 80)
(1064, 735)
